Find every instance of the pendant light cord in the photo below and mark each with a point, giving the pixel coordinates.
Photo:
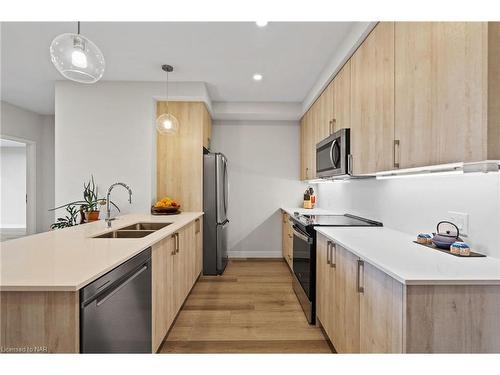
(167, 91)
(78, 27)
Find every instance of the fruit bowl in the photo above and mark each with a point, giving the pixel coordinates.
(165, 209)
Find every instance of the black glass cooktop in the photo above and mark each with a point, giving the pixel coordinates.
(336, 221)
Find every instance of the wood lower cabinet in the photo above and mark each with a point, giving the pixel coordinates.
(345, 293)
(325, 286)
(198, 231)
(39, 322)
(175, 269)
(163, 309)
(381, 312)
(374, 313)
(287, 239)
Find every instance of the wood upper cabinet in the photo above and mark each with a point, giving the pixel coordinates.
(207, 129)
(440, 92)
(340, 93)
(325, 113)
(372, 102)
(308, 154)
(179, 162)
(381, 312)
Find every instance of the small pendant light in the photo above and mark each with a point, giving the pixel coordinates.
(77, 58)
(167, 123)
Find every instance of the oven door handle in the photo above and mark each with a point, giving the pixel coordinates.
(303, 237)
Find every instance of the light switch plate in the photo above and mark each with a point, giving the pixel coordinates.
(461, 220)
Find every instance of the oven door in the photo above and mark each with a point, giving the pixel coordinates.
(302, 259)
(332, 154)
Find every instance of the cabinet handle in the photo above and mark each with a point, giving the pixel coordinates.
(177, 243)
(330, 126)
(307, 173)
(333, 255)
(289, 235)
(334, 125)
(197, 226)
(361, 272)
(328, 256)
(350, 164)
(396, 153)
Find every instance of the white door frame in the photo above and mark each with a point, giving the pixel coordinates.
(30, 181)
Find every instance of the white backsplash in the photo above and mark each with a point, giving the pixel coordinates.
(416, 204)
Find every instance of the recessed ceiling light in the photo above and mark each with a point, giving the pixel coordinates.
(257, 77)
(261, 23)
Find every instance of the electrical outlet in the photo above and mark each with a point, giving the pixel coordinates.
(461, 220)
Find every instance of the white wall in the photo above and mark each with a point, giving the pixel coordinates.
(416, 204)
(263, 173)
(20, 123)
(13, 185)
(108, 130)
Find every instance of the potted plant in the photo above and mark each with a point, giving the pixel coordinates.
(89, 207)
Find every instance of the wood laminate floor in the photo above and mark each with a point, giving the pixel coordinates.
(250, 309)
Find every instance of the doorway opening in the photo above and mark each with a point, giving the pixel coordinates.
(16, 216)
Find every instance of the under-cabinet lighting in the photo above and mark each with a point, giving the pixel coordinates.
(421, 174)
(442, 169)
(326, 181)
(261, 23)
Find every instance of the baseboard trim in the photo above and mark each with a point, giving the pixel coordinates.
(257, 259)
(254, 254)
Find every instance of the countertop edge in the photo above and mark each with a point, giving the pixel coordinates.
(76, 287)
(410, 281)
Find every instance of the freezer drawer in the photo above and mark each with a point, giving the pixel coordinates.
(222, 256)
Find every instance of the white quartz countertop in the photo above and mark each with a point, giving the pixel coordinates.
(394, 253)
(68, 259)
(309, 211)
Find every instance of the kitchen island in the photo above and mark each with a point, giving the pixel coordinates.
(41, 276)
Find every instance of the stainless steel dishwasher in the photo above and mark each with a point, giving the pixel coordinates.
(115, 310)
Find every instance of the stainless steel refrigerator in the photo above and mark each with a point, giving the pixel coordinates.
(215, 221)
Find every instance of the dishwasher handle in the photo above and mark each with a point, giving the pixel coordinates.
(112, 291)
(115, 287)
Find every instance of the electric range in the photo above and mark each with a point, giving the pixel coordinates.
(304, 253)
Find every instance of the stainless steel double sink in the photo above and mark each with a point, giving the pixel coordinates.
(137, 230)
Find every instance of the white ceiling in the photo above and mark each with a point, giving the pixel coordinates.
(224, 55)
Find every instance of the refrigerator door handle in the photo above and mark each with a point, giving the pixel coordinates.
(226, 189)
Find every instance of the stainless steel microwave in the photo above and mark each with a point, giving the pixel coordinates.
(332, 155)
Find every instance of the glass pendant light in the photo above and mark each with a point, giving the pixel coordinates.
(77, 58)
(167, 123)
